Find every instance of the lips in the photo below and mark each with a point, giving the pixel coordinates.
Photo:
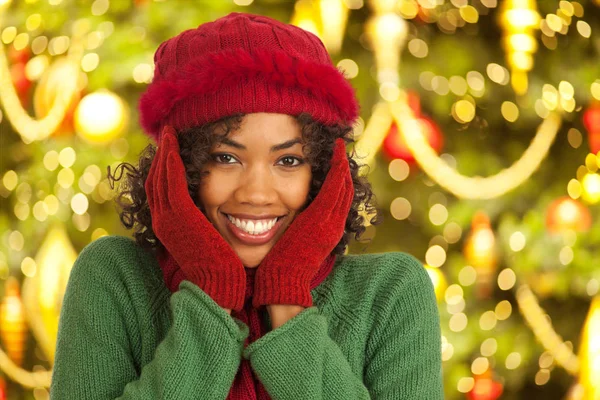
(253, 240)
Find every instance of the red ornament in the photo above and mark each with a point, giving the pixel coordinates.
(565, 214)
(18, 56)
(591, 118)
(591, 121)
(395, 147)
(594, 139)
(485, 387)
(18, 59)
(414, 102)
(21, 83)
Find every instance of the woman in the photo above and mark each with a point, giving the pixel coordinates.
(237, 285)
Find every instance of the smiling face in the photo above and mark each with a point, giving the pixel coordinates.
(257, 182)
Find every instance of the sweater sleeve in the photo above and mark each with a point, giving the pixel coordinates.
(403, 354)
(98, 331)
(402, 357)
(299, 360)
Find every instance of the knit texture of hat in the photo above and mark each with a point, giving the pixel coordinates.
(244, 63)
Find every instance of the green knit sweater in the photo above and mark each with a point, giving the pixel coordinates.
(373, 332)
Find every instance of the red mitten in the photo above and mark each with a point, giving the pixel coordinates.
(285, 274)
(172, 274)
(204, 257)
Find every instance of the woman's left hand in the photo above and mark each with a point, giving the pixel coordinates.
(285, 274)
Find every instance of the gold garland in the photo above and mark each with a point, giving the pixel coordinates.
(386, 23)
(377, 127)
(29, 128)
(473, 187)
(544, 332)
(23, 377)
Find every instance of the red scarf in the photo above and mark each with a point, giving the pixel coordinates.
(246, 385)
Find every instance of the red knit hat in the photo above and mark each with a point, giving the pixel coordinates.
(244, 63)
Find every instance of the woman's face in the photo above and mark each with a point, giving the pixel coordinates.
(257, 182)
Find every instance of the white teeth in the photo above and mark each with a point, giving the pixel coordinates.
(253, 227)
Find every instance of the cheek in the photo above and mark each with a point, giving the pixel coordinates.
(295, 191)
(214, 191)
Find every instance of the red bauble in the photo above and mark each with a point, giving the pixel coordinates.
(395, 147)
(485, 388)
(414, 102)
(591, 118)
(18, 56)
(594, 139)
(591, 121)
(565, 214)
(20, 81)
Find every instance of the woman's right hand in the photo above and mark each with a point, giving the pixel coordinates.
(204, 257)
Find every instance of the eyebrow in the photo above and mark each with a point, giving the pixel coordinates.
(277, 147)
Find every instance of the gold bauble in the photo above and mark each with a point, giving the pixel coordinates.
(43, 292)
(590, 185)
(440, 284)
(101, 116)
(589, 352)
(13, 327)
(566, 214)
(480, 252)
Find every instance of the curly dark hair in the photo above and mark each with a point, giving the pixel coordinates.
(195, 145)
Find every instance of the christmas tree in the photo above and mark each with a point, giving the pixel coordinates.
(480, 130)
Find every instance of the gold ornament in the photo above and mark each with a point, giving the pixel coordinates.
(43, 292)
(13, 328)
(589, 352)
(306, 17)
(519, 19)
(565, 214)
(335, 13)
(387, 33)
(101, 116)
(311, 14)
(4, 4)
(439, 281)
(590, 185)
(480, 251)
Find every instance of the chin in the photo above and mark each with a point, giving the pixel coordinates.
(252, 260)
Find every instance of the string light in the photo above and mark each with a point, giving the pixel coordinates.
(519, 18)
(387, 33)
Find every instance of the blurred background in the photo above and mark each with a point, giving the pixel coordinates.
(480, 126)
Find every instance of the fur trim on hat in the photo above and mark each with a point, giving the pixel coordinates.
(212, 72)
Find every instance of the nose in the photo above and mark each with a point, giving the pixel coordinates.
(256, 188)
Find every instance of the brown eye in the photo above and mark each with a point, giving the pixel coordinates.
(223, 158)
(290, 161)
